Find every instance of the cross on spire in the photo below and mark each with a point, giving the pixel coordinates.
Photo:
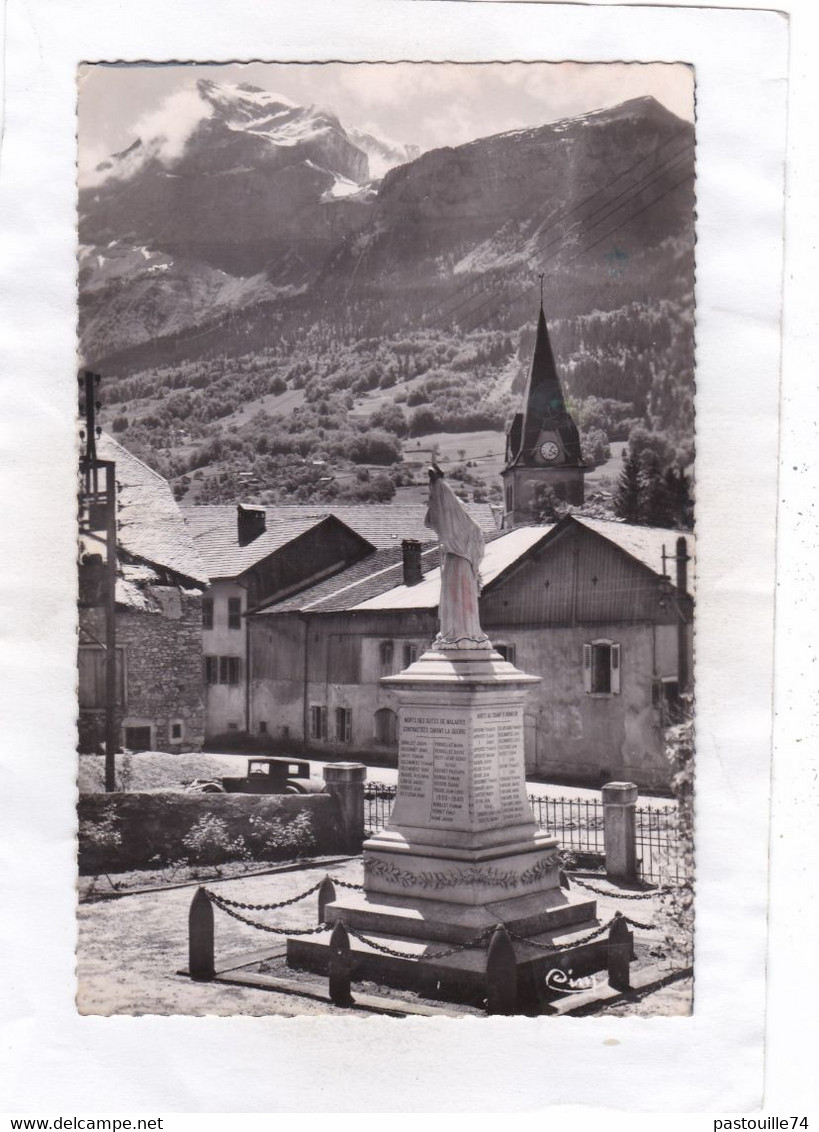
(540, 277)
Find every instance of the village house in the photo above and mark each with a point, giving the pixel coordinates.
(587, 604)
(256, 555)
(159, 588)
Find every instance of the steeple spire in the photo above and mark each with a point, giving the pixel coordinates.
(544, 401)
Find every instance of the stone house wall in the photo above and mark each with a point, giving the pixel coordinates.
(162, 682)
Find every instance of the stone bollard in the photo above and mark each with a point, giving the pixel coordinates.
(619, 954)
(340, 966)
(201, 964)
(346, 782)
(326, 895)
(620, 833)
(501, 974)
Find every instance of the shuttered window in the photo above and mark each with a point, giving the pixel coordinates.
(344, 725)
(223, 669)
(601, 668)
(410, 655)
(318, 722)
(234, 613)
(207, 612)
(91, 664)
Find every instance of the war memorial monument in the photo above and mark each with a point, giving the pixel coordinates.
(462, 852)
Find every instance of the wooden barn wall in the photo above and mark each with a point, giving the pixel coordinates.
(276, 647)
(578, 579)
(314, 553)
(334, 644)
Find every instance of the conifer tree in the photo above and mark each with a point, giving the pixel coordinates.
(629, 491)
(655, 502)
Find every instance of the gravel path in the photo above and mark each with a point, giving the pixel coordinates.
(129, 949)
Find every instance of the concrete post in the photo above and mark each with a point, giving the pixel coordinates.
(620, 834)
(346, 782)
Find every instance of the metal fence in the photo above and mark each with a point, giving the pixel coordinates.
(658, 845)
(578, 824)
(379, 800)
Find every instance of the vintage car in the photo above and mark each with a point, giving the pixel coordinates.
(267, 775)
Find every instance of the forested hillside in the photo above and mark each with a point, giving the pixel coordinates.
(294, 355)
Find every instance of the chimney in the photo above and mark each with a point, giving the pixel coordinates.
(252, 522)
(682, 565)
(413, 571)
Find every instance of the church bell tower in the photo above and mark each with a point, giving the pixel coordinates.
(543, 444)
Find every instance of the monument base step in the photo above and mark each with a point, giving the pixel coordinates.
(460, 977)
(445, 922)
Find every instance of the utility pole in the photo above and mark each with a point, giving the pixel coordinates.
(681, 558)
(98, 524)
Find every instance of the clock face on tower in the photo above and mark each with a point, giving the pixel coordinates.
(549, 450)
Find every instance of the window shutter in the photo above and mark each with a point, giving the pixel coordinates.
(615, 669)
(587, 667)
(323, 721)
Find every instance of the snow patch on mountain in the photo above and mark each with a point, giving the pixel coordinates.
(383, 153)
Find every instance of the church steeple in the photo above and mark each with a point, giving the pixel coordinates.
(543, 444)
(543, 403)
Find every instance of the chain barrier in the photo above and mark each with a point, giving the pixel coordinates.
(346, 884)
(475, 942)
(221, 900)
(266, 927)
(561, 947)
(227, 906)
(621, 895)
(637, 924)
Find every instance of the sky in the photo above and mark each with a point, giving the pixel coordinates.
(425, 104)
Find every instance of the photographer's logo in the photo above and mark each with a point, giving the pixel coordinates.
(562, 981)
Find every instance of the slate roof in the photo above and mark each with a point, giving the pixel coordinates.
(501, 552)
(151, 526)
(215, 532)
(381, 570)
(645, 544)
(377, 581)
(382, 524)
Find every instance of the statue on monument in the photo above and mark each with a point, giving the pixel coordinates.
(462, 547)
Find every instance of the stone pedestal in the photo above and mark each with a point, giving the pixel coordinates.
(620, 834)
(462, 851)
(346, 782)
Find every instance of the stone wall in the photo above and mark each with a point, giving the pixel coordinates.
(153, 825)
(163, 672)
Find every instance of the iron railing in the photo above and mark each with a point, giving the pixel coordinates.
(379, 799)
(659, 851)
(578, 824)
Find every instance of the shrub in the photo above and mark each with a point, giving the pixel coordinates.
(208, 842)
(103, 835)
(271, 839)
